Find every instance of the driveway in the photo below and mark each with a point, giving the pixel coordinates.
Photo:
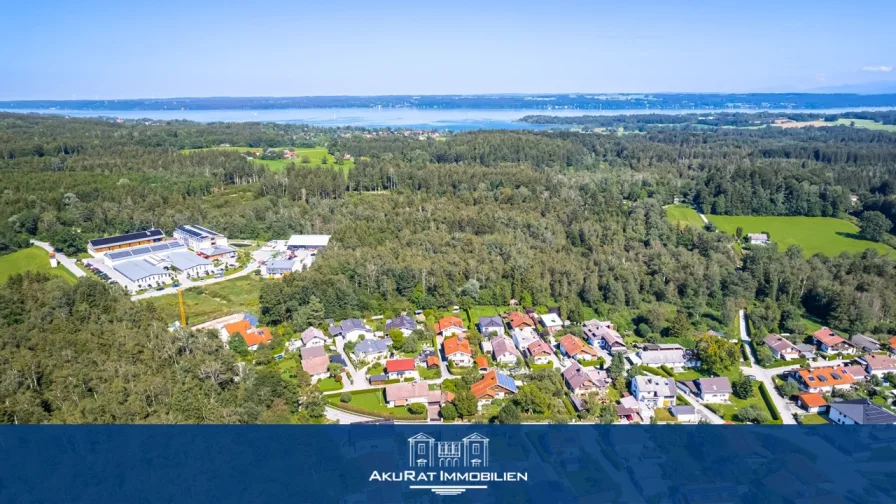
(359, 380)
(63, 259)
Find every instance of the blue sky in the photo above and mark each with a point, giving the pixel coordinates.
(104, 49)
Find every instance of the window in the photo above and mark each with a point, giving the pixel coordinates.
(421, 449)
(475, 449)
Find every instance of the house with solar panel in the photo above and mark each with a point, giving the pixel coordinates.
(205, 242)
(151, 265)
(101, 245)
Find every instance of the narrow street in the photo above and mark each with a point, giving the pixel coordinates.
(765, 375)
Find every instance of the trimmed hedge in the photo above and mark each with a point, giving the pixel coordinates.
(745, 352)
(654, 371)
(569, 407)
(784, 363)
(776, 415)
(666, 369)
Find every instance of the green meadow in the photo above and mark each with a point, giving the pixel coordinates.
(825, 235)
(684, 214)
(31, 259)
(314, 155)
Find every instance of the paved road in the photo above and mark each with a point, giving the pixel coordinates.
(344, 417)
(63, 259)
(764, 374)
(186, 283)
(359, 380)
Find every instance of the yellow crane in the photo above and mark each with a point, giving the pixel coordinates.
(183, 312)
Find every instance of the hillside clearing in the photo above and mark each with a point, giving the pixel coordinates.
(31, 259)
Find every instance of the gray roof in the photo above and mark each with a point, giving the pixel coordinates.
(714, 385)
(779, 343)
(576, 376)
(184, 260)
(653, 354)
(280, 264)
(311, 333)
(401, 322)
(138, 270)
(372, 346)
(312, 352)
(503, 345)
(865, 343)
(487, 322)
(348, 325)
(308, 241)
(683, 410)
(657, 386)
(864, 412)
(218, 250)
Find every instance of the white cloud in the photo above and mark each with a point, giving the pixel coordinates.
(877, 68)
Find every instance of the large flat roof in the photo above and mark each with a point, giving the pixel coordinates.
(198, 231)
(184, 260)
(126, 238)
(308, 241)
(138, 269)
(156, 248)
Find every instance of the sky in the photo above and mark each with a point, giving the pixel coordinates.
(106, 50)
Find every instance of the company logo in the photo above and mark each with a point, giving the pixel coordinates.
(448, 467)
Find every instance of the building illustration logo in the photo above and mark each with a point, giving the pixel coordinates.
(425, 451)
(448, 467)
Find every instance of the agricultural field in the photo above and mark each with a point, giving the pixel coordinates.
(858, 123)
(211, 301)
(684, 214)
(31, 259)
(825, 235)
(315, 157)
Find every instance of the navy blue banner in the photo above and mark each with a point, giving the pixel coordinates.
(448, 463)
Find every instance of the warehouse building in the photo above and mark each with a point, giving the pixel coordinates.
(160, 252)
(210, 244)
(100, 245)
(307, 242)
(191, 264)
(143, 274)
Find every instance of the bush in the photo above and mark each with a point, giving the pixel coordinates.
(776, 415)
(666, 369)
(345, 397)
(742, 388)
(449, 412)
(417, 409)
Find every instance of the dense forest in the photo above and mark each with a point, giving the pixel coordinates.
(566, 218)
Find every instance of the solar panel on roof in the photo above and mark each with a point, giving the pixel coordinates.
(205, 230)
(190, 231)
(119, 254)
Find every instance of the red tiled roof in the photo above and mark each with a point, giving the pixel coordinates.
(457, 345)
(396, 365)
(892, 342)
(825, 372)
(827, 337)
(539, 348)
(812, 400)
(481, 362)
(518, 320)
(242, 327)
(257, 336)
(575, 346)
(316, 365)
(483, 386)
(447, 323)
(432, 360)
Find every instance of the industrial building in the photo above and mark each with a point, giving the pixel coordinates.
(307, 242)
(100, 245)
(209, 244)
(143, 273)
(148, 266)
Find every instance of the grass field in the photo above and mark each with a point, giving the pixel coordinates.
(859, 123)
(316, 155)
(825, 235)
(212, 301)
(684, 214)
(729, 411)
(31, 259)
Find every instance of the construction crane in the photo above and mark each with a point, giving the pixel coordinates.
(183, 312)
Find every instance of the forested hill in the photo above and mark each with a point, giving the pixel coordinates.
(568, 219)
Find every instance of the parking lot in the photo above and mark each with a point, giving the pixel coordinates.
(107, 273)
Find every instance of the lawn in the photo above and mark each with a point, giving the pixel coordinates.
(31, 259)
(212, 301)
(329, 384)
(825, 235)
(372, 402)
(684, 214)
(858, 123)
(812, 419)
(663, 415)
(728, 411)
(315, 156)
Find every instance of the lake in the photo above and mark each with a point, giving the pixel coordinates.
(412, 118)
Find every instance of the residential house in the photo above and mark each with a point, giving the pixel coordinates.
(685, 414)
(486, 346)
(879, 364)
(758, 238)
(251, 335)
(812, 402)
(493, 385)
(654, 391)
(628, 410)
(829, 342)
(504, 351)
(313, 337)
(523, 337)
(781, 347)
(858, 371)
(449, 326)
(491, 325)
(315, 362)
(372, 349)
(583, 381)
(397, 369)
(277, 268)
(714, 390)
(457, 350)
(540, 352)
(572, 346)
(432, 362)
(860, 412)
(403, 394)
(520, 320)
(482, 363)
(351, 330)
(602, 334)
(552, 322)
(823, 380)
(672, 355)
(807, 351)
(403, 323)
(864, 343)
